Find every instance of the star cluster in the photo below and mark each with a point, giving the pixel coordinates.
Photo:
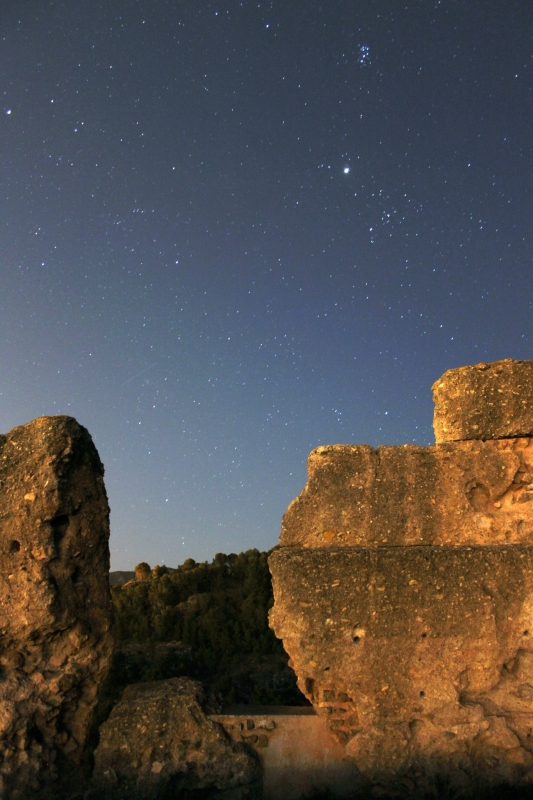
(231, 232)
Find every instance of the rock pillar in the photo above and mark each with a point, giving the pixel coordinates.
(55, 609)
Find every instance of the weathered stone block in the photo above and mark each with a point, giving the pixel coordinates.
(55, 609)
(158, 742)
(414, 654)
(484, 401)
(457, 493)
(403, 590)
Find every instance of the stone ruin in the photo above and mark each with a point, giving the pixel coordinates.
(159, 743)
(55, 610)
(403, 590)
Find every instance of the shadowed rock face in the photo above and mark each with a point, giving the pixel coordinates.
(404, 597)
(158, 742)
(55, 610)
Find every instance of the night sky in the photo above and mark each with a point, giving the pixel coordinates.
(233, 231)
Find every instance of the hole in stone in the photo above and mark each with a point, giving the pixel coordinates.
(326, 669)
(75, 575)
(36, 735)
(422, 694)
(59, 527)
(14, 546)
(424, 635)
(309, 685)
(479, 497)
(526, 633)
(356, 639)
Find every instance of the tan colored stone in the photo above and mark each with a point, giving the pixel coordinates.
(414, 653)
(158, 742)
(403, 590)
(55, 609)
(484, 401)
(456, 493)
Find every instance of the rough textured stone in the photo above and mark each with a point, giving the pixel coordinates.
(403, 589)
(485, 401)
(457, 493)
(414, 653)
(55, 610)
(158, 742)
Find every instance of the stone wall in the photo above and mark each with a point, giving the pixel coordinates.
(298, 755)
(55, 609)
(404, 589)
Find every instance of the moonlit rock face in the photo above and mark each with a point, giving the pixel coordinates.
(55, 607)
(399, 647)
(403, 590)
(458, 493)
(484, 401)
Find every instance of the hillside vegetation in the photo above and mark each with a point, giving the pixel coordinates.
(205, 620)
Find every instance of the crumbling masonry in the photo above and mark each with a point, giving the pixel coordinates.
(404, 587)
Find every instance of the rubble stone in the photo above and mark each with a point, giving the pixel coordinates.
(484, 401)
(158, 742)
(55, 611)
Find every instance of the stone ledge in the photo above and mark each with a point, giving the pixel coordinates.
(450, 494)
(484, 401)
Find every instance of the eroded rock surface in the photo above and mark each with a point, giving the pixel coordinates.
(55, 610)
(403, 591)
(413, 653)
(484, 401)
(158, 742)
(458, 493)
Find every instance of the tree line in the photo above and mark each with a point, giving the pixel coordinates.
(207, 620)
